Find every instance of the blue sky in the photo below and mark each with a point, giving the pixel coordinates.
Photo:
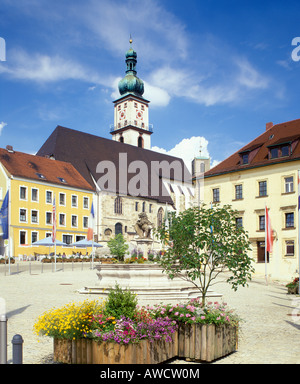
(215, 71)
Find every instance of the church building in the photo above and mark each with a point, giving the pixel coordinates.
(128, 178)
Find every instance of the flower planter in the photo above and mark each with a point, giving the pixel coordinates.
(192, 341)
(87, 351)
(293, 290)
(206, 342)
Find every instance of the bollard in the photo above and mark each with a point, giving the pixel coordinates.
(17, 349)
(3, 339)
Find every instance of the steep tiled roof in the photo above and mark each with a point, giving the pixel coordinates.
(258, 150)
(85, 151)
(43, 169)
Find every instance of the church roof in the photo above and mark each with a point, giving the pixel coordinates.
(84, 151)
(258, 153)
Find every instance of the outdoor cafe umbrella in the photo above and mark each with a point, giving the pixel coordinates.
(87, 244)
(48, 242)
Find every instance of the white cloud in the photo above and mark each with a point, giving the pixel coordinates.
(187, 149)
(2, 125)
(250, 77)
(44, 69)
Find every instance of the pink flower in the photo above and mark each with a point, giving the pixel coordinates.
(181, 315)
(218, 318)
(202, 317)
(187, 315)
(176, 313)
(194, 318)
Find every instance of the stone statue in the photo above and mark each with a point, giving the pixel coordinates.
(143, 226)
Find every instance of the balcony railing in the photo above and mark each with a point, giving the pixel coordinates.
(148, 128)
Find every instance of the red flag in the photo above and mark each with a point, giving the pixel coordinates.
(54, 222)
(269, 239)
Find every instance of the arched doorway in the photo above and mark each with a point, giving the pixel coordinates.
(118, 228)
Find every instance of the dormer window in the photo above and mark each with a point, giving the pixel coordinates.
(245, 158)
(274, 153)
(285, 150)
(280, 150)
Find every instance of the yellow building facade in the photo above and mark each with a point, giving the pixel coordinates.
(271, 181)
(31, 204)
(249, 192)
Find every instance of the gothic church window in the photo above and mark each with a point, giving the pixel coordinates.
(118, 205)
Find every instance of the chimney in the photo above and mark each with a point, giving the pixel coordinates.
(9, 148)
(269, 126)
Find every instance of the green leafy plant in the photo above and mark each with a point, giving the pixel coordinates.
(120, 302)
(118, 247)
(203, 242)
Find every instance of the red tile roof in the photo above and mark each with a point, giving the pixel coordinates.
(31, 167)
(258, 149)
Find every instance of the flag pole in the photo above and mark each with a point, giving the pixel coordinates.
(299, 230)
(266, 246)
(8, 218)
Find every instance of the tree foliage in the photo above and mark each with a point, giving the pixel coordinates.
(118, 247)
(203, 242)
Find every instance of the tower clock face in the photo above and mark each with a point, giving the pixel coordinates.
(122, 115)
(139, 115)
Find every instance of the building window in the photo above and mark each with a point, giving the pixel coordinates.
(34, 237)
(285, 150)
(118, 229)
(289, 220)
(48, 197)
(274, 153)
(62, 219)
(74, 201)
(239, 222)
(118, 205)
(143, 207)
(23, 215)
(150, 208)
(67, 239)
(262, 186)
(48, 218)
(140, 142)
(238, 192)
(261, 223)
(85, 222)
(216, 195)
(34, 217)
(160, 217)
(22, 237)
(74, 221)
(245, 158)
(62, 199)
(86, 203)
(136, 206)
(289, 248)
(23, 194)
(289, 184)
(34, 194)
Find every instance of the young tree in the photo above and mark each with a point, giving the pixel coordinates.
(203, 242)
(118, 247)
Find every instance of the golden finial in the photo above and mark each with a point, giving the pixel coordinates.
(130, 40)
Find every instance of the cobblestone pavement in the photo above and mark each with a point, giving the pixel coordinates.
(269, 332)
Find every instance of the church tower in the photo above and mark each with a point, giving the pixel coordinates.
(131, 116)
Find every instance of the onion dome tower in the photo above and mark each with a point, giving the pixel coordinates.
(131, 117)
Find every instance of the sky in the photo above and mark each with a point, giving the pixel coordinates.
(215, 72)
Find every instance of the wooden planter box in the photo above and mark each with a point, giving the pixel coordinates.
(206, 342)
(86, 351)
(195, 342)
